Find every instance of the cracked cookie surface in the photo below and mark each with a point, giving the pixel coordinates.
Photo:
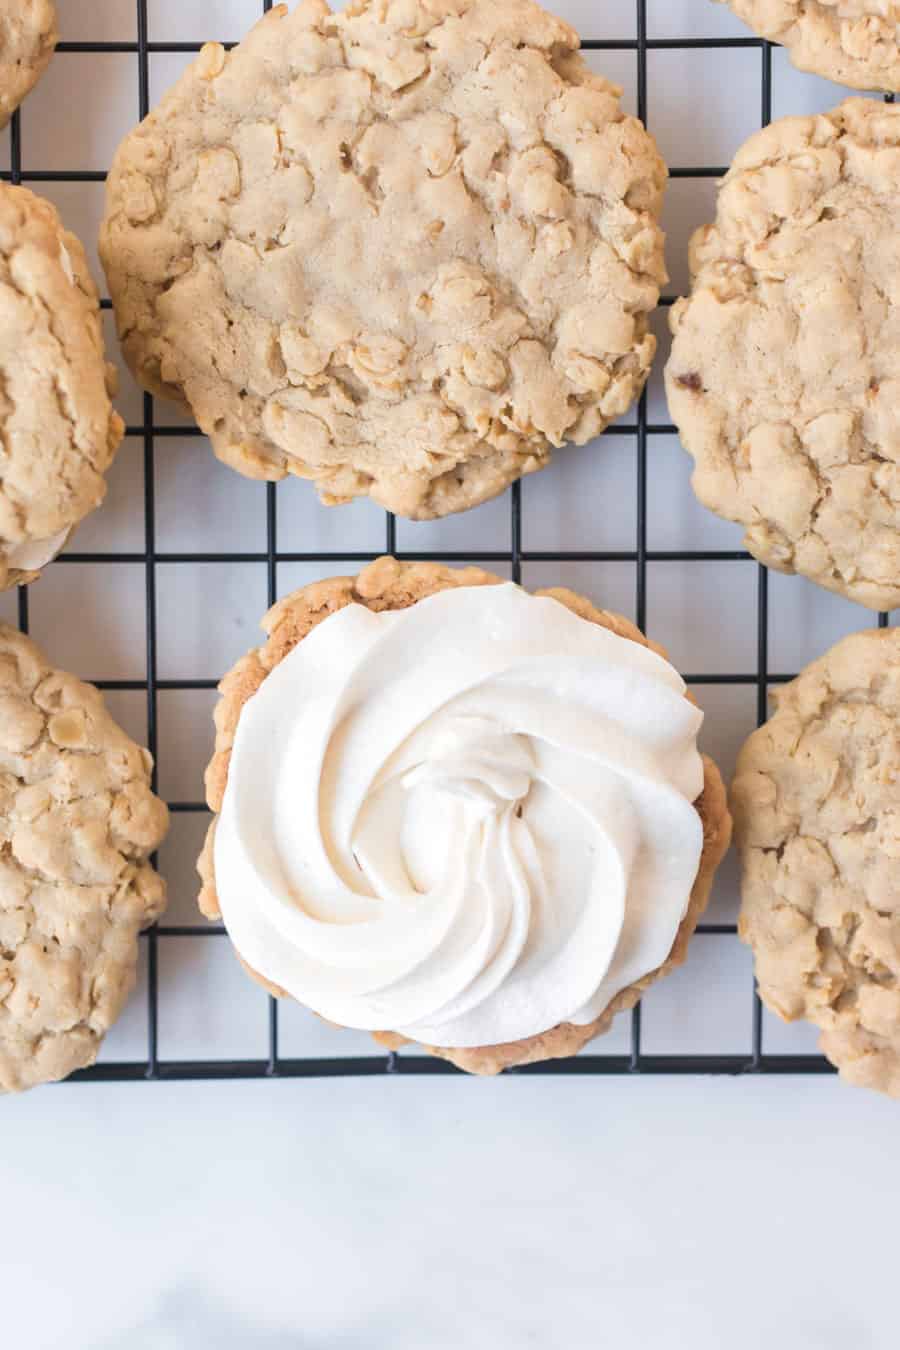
(58, 430)
(28, 37)
(389, 584)
(853, 42)
(403, 250)
(816, 821)
(78, 821)
(784, 378)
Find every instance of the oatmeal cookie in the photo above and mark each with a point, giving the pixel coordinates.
(28, 37)
(78, 822)
(388, 585)
(816, 820)
(854, 42)
(403, 250)
(57, 427)
(784, 378)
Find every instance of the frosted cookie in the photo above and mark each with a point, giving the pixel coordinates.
(78, 822)
(403, 250)
(28, 37)
(784, 378)
(815, 807)
(855, 42)
(452, 812)
(58, 429)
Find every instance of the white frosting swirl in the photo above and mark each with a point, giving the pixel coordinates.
(466, 821)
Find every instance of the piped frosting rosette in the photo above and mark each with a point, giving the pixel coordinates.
(467, 821)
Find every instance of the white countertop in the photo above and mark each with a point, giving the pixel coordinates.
(450, 1214)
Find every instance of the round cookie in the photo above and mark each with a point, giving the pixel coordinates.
(390, 585)
(57, 425)
(404, 250)
(854, 42)
(815, 809)
(28, 37)
(784, 378)
(78, 822)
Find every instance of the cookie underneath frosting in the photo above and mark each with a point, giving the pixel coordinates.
(78, 822)
(816, 821)
(784, 378)
(403, 250)
(28, 37)
(493, 848)
(853, 42)
(57, 426)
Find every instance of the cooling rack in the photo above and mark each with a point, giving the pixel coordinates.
(641, 431)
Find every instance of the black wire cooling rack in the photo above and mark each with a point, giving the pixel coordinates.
(640, 430)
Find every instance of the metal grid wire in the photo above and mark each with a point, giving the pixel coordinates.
(640, 430)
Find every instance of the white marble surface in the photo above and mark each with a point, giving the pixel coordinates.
(410, 1214)
(450, 1215)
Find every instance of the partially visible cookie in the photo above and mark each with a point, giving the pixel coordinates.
(57, 426)
(854, 42)
(784, 378)
(404, 250)
(816, 820)
(78, 822)
(28, 36)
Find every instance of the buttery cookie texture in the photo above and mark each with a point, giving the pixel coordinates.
(28, 37)
(402, 250)
(58, 430)
(452, 812)
(78, 822)
(853, 42)
(784, 378)
(815, 806)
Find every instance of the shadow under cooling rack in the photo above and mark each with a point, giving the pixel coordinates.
(371, 1066)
